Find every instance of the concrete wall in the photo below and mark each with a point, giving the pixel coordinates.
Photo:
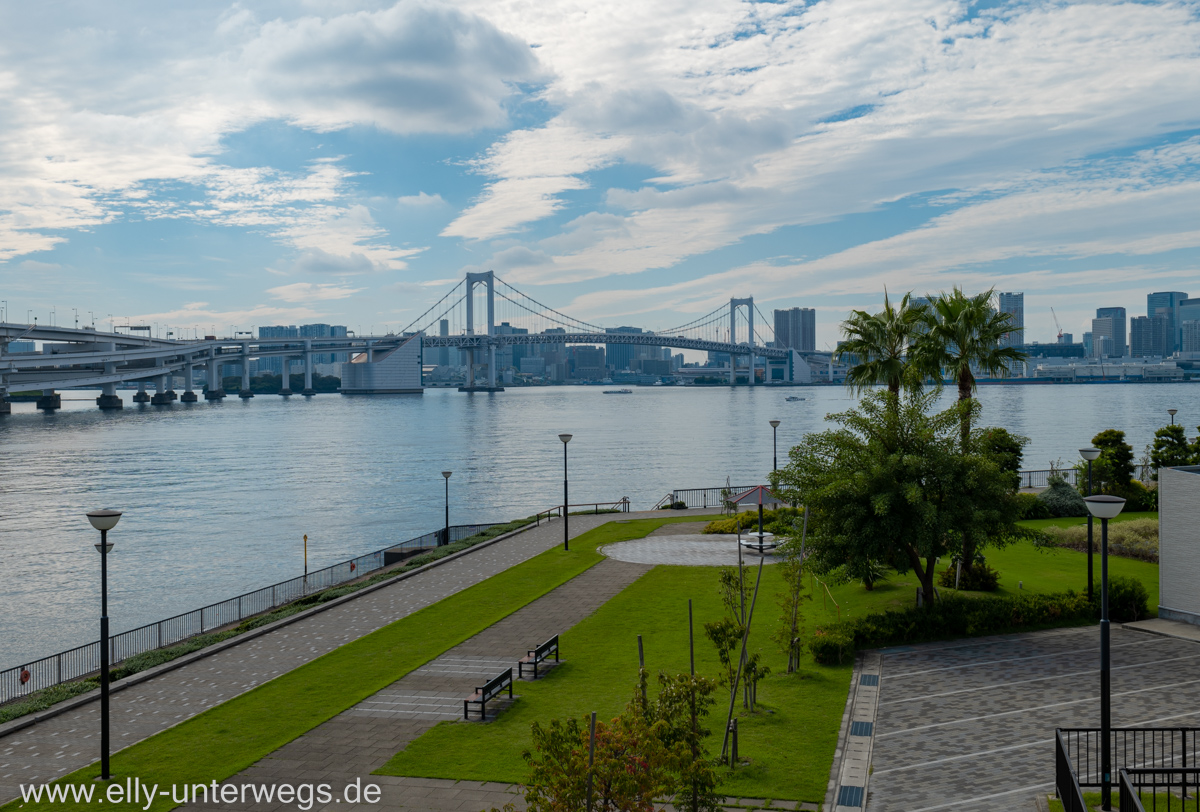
(1179, 544)
(390, 373)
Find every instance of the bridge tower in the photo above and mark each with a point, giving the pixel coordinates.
(487, 279)
(734, 304)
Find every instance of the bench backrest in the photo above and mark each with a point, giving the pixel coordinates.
(547, 648)
(497, 684)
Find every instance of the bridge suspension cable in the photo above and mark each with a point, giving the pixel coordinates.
(418, 319)
(571, 321)
(719, 313)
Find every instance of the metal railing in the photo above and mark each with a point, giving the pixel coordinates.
(619, 506)
(1066, 784)
(84, 660)
(1132, 748)
(701, 497)
(1167, 789)
(1040, 479)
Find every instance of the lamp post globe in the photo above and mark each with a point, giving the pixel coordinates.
(774, 445)
(104, 520)
(566, 438)
(1091, 455)
(1105, 507)
(446, 536)
(1172, 413)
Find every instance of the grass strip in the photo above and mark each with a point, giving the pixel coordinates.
(789, 741)
(228, 738)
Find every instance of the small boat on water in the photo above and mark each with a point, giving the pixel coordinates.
(793, 398)
(618, 391)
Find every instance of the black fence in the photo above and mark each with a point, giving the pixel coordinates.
(1150, 789)
(1041, 479)
(84, 660)
(701, 497)
(1066, 785)
(1132, 748)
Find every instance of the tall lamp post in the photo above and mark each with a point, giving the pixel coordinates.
(446, 537)
(1172, 413)
(1104, 507)
(566, 438)
(1091, 455)
(104, 520)
(774, 444)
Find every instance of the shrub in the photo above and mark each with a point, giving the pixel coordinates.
(1137, 538)
(1032, 507)
(952, 616)
(832, 645)
(778, 521)
(1062, 500)
(1128, 599)
(1137, 496)
(979, 578)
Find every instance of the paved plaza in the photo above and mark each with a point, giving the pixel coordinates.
(689, 550)
(969, 725)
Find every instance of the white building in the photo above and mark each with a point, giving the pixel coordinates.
(1179, 543)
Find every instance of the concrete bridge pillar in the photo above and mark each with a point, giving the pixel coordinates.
(140, 396)
(246, 391)
(189, 396)
(5, 404)
(491, 366)
(109, 399)
(160, 397)
(49, 401)
(215, 392)
(285, 386)
(308, 370)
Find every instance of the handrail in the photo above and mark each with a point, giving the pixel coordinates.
(1066, 783)
(1130, 800)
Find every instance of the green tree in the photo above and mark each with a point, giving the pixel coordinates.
(1112, 472)
(896, 484)
(1007, 448)
(1170, 448)
(877, 345)
(1196, 448)
(965, 334)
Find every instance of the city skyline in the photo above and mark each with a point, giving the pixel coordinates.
(260, 163)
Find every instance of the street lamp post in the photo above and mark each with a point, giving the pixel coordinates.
(104, 520)
(566, 438)
(446, 537)
(1172, 413)
(1105, 507)
(774, 445)
(1089, 454)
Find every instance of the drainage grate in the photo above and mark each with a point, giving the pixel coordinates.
(868, 679)
(850, 796)
(861, 728)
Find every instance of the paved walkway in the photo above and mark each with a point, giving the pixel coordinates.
(687, 550)
(362, 739)
(968, 726)
(69, 741)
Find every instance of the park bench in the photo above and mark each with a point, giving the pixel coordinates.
(537, 656)
(490, 690)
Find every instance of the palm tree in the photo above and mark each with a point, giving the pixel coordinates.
(964, 334)
(878, 345)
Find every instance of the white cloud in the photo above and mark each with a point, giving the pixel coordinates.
(421, 200)
(310, 292)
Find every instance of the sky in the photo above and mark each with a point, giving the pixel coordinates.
(226, 166)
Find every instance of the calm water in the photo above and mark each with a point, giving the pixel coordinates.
(218, 496)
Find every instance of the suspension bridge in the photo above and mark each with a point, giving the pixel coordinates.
(481, 316)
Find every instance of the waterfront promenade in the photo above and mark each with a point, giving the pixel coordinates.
(61, 744)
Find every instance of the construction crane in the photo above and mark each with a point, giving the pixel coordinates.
(1056, 324)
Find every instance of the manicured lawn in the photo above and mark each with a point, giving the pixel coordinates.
(1124, 517)
(230, 737)
(789, 740)
(1052, 570)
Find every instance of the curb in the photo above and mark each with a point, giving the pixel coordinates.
(865, 708)
(187, 659)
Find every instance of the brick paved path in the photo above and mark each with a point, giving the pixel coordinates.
(362, 739)
(69, 741)
(969, 725)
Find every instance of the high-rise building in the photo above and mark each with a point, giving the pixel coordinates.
(588, 363)
(1166, 303)
(508, 356)
(796, 329)
(444, 352)
(1188, 310)
(1088, 346)
(325, 331)
(621, 356)
(273, 363)
(1066, 338)
(1117, 330)
(1149, 337)
(1190, 331)
(1014, 305)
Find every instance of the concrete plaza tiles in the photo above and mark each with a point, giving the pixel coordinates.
(969, 725)
(64, 743)
(689, 550)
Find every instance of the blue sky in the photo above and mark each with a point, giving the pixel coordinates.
(234, 165)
